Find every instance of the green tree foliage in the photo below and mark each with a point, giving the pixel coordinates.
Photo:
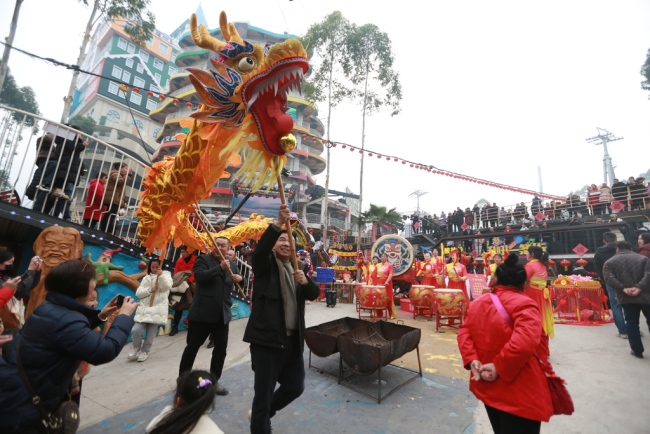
(21, 98)
(645, 72)
(86, 123)
(369, 59)
(382, 215)
(143, 21)
(324, 43)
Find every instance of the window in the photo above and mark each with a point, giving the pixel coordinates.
(150, 41)
(126, 76)
(121, 43)
(138, 124)
(136, 98)
(117, 72)
(173, 57)
(158, 64)
(140, 68)
(112, 88)
(163, 48)
(138, 82)
(113, 113)
(155, 132)
(144, 56)
(172, 70)
(151, 104)
(129, 63)
(131, 48)
(158, 78)
(165, 37)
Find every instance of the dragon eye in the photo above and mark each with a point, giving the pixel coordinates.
(246, 64)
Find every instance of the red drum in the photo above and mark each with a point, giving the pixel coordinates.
(373, 298)
(422, 300)
(449, 305)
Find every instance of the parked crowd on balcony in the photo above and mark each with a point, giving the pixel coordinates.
(633, 195)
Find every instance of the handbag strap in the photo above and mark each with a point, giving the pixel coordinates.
(502, 310)
(36, 400)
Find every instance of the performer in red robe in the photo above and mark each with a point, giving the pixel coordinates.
(371, 272)
(385, 277)
(431, 270)
(537, 278)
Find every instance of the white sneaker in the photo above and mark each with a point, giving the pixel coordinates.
(133, 353)
(249, 416)
(143, 356)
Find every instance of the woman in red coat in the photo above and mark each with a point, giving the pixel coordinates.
(185, 262)
(644, 244)
(94, 197)
(506, 375)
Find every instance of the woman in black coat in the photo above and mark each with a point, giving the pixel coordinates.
(55, 339)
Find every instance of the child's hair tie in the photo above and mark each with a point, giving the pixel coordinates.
(203, 383)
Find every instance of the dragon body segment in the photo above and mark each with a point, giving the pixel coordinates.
(244, 108)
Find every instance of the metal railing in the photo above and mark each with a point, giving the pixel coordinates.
(46, 165)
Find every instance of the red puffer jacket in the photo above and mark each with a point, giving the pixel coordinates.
(521, 388)
(94, 197)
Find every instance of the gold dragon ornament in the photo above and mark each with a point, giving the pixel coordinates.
(244, 111)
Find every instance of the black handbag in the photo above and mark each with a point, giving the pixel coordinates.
(64, 419)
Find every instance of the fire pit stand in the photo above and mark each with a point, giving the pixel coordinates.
(370, 349)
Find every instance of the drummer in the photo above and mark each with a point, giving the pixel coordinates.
(385, 277)
(371, 272)
(431, 270)
(456, 272)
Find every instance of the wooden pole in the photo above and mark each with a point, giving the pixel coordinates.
(292, 242)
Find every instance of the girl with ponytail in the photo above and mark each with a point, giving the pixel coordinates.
(194, 397)
(537, 278)
(498, 341)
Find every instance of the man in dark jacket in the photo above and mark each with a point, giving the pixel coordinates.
(603, 254)
(210, 311)
(276, 326)
(629, 274)
(619, 191)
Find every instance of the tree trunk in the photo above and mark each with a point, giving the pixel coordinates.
(363, 147)
(325, 216)
(4, 65)
(67, 101)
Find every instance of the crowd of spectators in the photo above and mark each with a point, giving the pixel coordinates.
(631, 196)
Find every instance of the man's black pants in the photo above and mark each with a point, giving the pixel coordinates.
(197, 333)
(285, 366)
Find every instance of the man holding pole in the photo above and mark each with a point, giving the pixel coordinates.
(210, 311)
(276, 326)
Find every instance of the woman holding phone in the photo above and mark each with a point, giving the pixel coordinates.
(153, 310)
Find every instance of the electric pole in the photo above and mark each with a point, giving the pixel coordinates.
(417, 194)
(603, 138)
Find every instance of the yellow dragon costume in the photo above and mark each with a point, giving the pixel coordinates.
(244, 111)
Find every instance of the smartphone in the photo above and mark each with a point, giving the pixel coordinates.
(24, 276)
(119, 300)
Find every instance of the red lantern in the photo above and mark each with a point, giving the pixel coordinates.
(161, 97)
(565, 263)
(369, 154)
(135, 90)
(351, 149)
(388, 158)
(360, 151)
(411, 165)
(582, 262)
(304, 136)
(314, 139)
(403, 162)
(333, 145)
(188, 104)
(343, 146)
(123, 87)
(551, 262)
(149, 93)
(395, 159)
(324, 142)
(175, 101)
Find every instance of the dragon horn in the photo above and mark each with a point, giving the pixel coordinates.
(228, 30)
(203, 38)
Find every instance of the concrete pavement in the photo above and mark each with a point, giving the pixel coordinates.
(610, 388)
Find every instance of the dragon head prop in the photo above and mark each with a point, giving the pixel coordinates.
(244, 112)
(247, 89)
